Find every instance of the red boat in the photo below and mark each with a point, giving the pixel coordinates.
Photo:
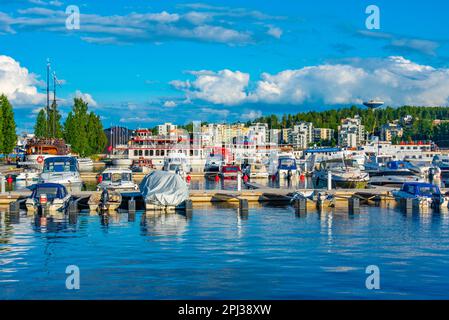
(230, 172)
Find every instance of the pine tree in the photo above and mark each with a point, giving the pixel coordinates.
(8, 126)
(40, 128)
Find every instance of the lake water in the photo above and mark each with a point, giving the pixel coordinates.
(218, 253)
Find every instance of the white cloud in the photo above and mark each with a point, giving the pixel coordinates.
(274, 31)
(86, 98)
(170, 104)
(223, 87)
(394, 79)
(251, 115)
(18, 84)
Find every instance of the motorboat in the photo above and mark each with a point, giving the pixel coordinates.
(423, 195)
(442, 162)
(230, 172)
(62, 170)
(50, 197)
(85, 164)
(287, 166)
(177, 163)
(28, 175)
(163, 190)
(213, 165)
(142, 165)
(256, 171)
(105, 201)
(122, 162)
(395, 173)
(345, 173)
(117, 179)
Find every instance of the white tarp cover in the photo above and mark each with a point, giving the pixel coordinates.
(164, 188)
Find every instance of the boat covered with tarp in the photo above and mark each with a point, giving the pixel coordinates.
(162, 189)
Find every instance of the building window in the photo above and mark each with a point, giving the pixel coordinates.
(135, 153)
(146, 153)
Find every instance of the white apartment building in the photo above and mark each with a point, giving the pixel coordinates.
(258, 134)
(167, 129)
(351, 132)
(320, 134)
(301, 135)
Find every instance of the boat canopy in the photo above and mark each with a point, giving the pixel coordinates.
(60, 164)
(164, 188)
(287, 164)
(322, 150)
(51, 190)
(395, 165)
(421, 189)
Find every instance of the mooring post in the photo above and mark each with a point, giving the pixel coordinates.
(73, 207)
(354, 205)
(329, 180)
(239, 181)
(3, 184)
(14, 207)
(301, 205)
(132, 205)
(407, 205)
(243, 205)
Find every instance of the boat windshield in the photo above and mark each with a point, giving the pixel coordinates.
(50, 192)
(173, 167)
(287, 163)
(117, 177)
(428, 191)
(60, 166)
(230, 169)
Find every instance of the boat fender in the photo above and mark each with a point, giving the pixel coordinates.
(217, 178)
(188, 178)
(100, 178)
(9, 179)
(40, 159)
(245, 178)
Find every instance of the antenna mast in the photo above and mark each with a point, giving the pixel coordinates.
(48, 97)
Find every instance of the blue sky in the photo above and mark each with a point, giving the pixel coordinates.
(139, 63)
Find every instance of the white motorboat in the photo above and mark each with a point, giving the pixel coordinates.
(256, 171)
(85, 164)
(287, 167)
(50, 197)
(62, 170)
(122, 162)
(177, 163)
(28, 175)
(394, 173)
(345, 173)
(422, 195)
(117, 179)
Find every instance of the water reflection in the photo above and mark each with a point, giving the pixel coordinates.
(156, 224)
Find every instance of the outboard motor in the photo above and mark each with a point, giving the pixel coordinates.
(104, 199)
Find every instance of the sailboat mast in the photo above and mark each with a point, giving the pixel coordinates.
(54, 105)
(48, 98)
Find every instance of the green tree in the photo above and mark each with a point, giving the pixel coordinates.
(84, 131)
(40, 128)
(55, 127)
(1, 129)
(9, 139)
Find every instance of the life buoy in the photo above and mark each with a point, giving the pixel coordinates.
(40, 159)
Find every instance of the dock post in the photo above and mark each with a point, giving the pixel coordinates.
(73, 207)
(354, 205)
(239, 181)
(132, 206)
(14, 207)
(329, 180)
(243, 205)
(189, 208)
(3, 184)
(301, 205)
(407, 205)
